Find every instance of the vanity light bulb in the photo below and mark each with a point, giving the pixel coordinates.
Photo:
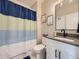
(61, 4)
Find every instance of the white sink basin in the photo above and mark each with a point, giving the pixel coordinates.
(65, 39)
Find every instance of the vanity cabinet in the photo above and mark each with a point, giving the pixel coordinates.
(51, 49)
(60, 50)
(68, 51)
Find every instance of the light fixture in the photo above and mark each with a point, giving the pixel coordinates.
(61, 2)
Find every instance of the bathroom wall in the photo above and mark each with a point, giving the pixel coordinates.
(48, 8)
(34, 6)
(17, 29)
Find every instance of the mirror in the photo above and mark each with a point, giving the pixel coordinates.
(67, 15)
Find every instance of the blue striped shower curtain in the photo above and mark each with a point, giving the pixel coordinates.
(17, 24)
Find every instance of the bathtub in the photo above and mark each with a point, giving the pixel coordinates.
(12, 50)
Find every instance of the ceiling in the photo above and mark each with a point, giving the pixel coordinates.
(25, 2)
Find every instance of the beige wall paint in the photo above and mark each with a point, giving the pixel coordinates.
(39, 32)
(48, 8)
(34, 6)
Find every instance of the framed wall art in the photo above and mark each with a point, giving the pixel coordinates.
(44, 18)
(50, 20)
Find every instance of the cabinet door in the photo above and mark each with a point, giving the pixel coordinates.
(68, 51)
(51, 48)
(64, 51)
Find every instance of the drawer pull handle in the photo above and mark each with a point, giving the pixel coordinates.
(59, 55)
(56, 53)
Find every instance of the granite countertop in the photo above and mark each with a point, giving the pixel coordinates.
(72, 41)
